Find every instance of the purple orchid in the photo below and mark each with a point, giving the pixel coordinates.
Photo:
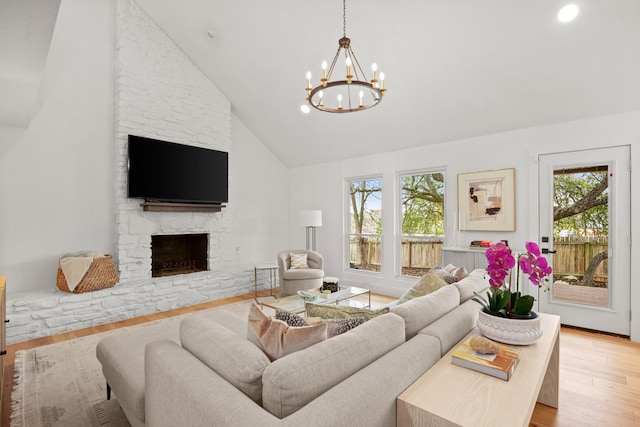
(500, 262)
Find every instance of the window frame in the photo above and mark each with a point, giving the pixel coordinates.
(348, 219)
(398, 234)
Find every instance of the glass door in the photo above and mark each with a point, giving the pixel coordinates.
(585, 231)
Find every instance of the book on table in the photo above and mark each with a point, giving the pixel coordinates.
(500, 365)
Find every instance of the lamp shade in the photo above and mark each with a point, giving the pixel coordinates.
(311, 218)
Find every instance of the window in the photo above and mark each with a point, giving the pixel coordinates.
(365, 223)
(422, 221)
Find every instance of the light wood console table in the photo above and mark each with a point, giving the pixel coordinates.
(3, 343)
(448, 395)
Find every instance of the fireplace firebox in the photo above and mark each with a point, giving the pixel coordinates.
(173, 254)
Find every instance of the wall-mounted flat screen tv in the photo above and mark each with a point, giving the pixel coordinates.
(162, 171)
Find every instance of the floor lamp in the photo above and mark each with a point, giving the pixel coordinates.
(311, 220)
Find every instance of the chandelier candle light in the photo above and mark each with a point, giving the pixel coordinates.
(355, 92)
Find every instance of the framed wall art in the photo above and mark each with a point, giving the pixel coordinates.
(487, 200)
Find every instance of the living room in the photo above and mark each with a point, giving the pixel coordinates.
(111, 65)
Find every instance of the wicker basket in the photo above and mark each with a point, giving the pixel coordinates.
(101, 275)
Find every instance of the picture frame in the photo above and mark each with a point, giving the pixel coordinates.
(486, 200)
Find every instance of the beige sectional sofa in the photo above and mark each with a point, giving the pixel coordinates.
(210, 374)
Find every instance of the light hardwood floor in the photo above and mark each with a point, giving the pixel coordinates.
(599, 374)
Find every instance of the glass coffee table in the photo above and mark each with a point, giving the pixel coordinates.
(295, 304)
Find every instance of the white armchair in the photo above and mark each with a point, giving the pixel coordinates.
(293, 280)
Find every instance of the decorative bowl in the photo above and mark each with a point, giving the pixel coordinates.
(509, 331)
(307, 296)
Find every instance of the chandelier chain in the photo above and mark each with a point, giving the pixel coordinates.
(344, 18)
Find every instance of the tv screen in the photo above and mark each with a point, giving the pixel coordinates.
(168, 172)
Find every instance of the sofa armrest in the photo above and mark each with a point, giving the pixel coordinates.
(181, 390)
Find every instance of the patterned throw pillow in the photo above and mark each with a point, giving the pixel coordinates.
(340, 326)
(428, 283)
(334, 326)
(292, 319)
(448, 277)
(298, 261)
(326, 311)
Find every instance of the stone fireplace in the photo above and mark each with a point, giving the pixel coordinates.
(173, 254)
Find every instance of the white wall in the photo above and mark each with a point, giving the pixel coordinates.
(57, 176)
(56, 179)
(260, 196)
(322, 187)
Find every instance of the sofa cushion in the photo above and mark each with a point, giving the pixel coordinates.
(327, 311)
(428, 283)
(292, 382)
(233, 357)
(453, 326)
(474, 282)
(276, 338)
(420, 312)
(121, 355)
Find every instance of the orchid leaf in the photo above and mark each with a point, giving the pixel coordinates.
(523, 305)
(505, 298)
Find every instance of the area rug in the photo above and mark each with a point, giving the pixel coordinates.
(62, 384)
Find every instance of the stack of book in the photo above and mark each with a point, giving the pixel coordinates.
(480, 244)
(500, 365)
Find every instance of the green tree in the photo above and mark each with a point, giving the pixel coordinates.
(361, 194)
(423, 204)
(581, 207)
(580, 203)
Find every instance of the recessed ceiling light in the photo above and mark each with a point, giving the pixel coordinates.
(305, 108)
(568, 13)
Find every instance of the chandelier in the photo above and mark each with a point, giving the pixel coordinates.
(355, 92)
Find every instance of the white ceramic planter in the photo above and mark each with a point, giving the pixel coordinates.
(509, 331)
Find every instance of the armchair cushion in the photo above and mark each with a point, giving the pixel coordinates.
(298, 261)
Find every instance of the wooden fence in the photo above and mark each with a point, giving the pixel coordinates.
(572, 256)
(415, 253)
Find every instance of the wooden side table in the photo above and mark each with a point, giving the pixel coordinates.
(272, 268)
(448, 395)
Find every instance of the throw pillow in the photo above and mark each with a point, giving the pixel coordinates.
(298, 261)
(449, 268)
(460, 273)
(336, 326)
(448, 277)
(428, 283)
(326, 311)
(291, 319)
(277, 339)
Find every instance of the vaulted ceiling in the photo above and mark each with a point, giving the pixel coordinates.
(454, 69)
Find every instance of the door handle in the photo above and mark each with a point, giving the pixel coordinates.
(547, 251)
